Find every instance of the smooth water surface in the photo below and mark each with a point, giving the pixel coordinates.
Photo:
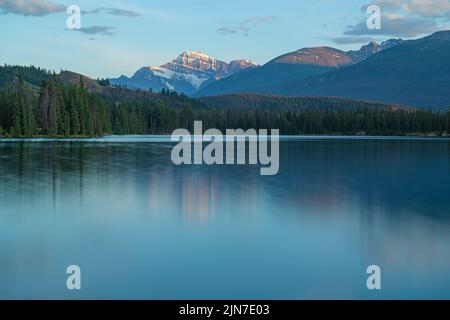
(141, 228)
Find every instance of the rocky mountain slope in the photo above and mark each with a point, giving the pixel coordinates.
(292, 67)
(185, 74)
(416, 73)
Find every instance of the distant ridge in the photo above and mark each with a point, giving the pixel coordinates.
(413, 72)
(416, 73)
(292, 67)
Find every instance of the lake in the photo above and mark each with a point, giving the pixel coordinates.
(140, 227)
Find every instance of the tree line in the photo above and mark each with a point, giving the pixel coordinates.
(69, 110)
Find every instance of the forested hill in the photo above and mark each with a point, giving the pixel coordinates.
(35, 102)
(291, 103)
(31, 75)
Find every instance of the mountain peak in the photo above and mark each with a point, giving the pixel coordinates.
(199, 54)
(320, 56)
(372, 48)
(244, 61)
(371, 44)
(186, 73)
(195, 55)
(193, 61)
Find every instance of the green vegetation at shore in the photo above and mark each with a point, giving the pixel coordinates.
(60, 109)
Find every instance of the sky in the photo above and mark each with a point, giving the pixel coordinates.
(119, 37)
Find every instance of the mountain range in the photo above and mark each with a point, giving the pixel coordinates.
(191, 72)
(292, 67)
(412, 72)
(415, 73)
(408, 72)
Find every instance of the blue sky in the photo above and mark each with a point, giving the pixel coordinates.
(118, 37)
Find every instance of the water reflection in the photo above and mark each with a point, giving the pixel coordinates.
(164, 231)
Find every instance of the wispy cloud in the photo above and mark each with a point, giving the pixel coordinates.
(430, 7)
(246, 26)
(114, 12)
(46, 7)
(397, 26)
(423, 8)
(37, 8)
(402, 18)
(104, 30)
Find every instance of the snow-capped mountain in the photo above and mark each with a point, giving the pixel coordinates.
(372, 48)
(185, 74)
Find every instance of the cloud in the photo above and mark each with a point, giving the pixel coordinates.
(46, 7)
(246, 26)
(227, 30)
(397, 26)
(405, 18)
(114, 12)
(351, 40)
(104, 30)
(37, 8)
(422, 8)
(429, 8)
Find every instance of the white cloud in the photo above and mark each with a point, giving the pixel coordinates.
(30, 7)
(423, 8)
(46, 7)
(397, 26)
(428, 7)
(405, 18)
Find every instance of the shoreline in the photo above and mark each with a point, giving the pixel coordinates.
(167, 138)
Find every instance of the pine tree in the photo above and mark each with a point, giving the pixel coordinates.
(16, 129)
(43, 107)
(87, 125)
(75, 128)
(27, 112)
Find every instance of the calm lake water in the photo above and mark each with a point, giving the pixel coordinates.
(141, 228)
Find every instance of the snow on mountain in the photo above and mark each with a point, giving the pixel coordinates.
(185, 74)
(372, 48)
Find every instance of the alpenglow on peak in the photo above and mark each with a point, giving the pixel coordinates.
(187, 73)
